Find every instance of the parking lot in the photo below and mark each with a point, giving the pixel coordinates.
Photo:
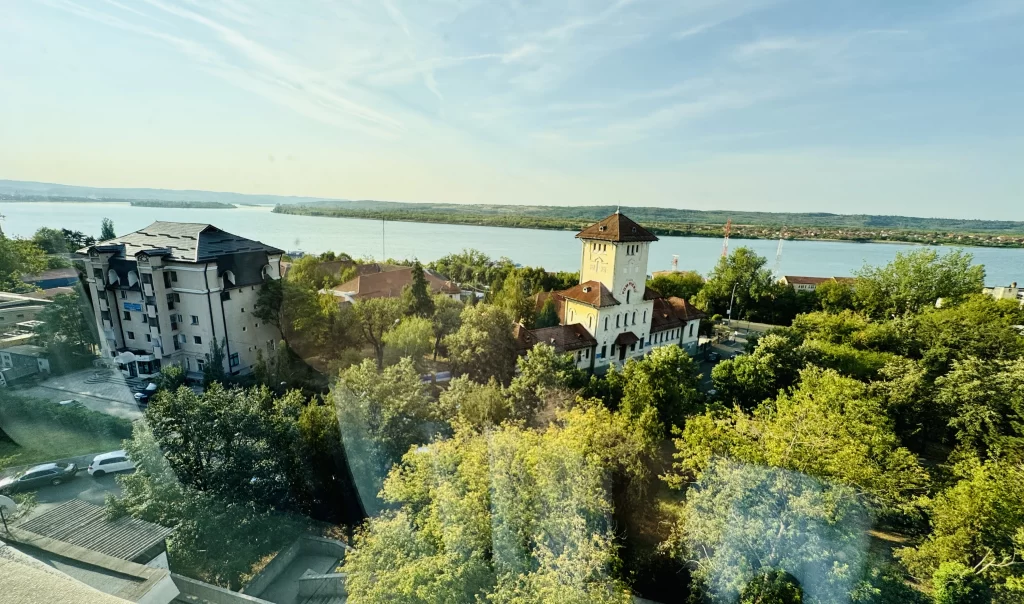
(102, 390)
(82, 486)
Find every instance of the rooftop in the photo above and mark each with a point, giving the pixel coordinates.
(86, 525)
(564, 338)
(390, 280)
(593, 293)
(181, 241)
(617, 228)
(28, 350)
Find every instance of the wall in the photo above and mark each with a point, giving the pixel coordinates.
(190, 588)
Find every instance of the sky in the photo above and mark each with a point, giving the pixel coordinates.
(849, 106)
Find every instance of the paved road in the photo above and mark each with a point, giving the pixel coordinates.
(82, 486)
(111, 395)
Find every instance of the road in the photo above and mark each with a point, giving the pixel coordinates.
(741, 329)
(82, 486)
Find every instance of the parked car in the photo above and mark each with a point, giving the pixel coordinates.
(736, 354)
(107, 463)
(713, 356)
(41, 475)
(142, 398)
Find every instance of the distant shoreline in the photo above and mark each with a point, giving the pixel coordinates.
(672, 229)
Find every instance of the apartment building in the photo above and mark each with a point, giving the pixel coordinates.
(164, 294)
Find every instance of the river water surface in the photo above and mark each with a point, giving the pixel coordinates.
(554, 250)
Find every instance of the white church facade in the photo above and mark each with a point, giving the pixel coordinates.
(612, 316)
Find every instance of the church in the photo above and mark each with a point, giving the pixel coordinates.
(612, 316)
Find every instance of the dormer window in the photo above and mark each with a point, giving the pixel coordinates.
(586, 289)
(602, 228)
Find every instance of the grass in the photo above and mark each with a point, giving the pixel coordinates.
(45, 443)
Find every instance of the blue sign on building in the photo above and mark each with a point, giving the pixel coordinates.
(133, 306)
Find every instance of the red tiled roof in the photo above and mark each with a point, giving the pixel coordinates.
(559, 301)
(673, 312)
(388, 283)
(805, 280)
(616, 228)
(564, 338)
(593, 293)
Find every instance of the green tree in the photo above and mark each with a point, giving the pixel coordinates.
(915, 280)
(412, 338)
(416, 295)
(381, 415)
(270, 302)
(19, 257)
(978, 525)
(377, 316)
(213, 370)
(665, 380)
(955, 583)
(978, 327)
(478, 405)
(835, 296)
(828, 427)
(772, 587)
(483, 346)
(446, 319)
(746, 381)
(548, 315)
(67, 332)
(171, 378)
(107, 230)
(51, 241)
(742, 271)
(515, 298)
(983, 400)
(510, 516)
(540, 374)
(683, 284)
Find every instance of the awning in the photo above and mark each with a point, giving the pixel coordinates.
(627, 338)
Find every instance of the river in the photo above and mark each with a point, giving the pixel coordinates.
(554, 250)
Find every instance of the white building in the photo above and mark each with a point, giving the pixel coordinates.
(620, 316)
(162, 295)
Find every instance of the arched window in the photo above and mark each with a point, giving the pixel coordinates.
(634, 317)
(606, 323)
(645, 317)
(691, 330)
(590, 321)
(229, 279)
(627, 296)
(112, 277)
(617, 319)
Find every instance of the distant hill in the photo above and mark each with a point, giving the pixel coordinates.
(21, 190)
(646, 215)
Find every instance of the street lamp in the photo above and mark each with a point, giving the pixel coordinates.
(728, 313)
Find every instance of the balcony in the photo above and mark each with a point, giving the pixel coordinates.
(151, 310)
(174, 326)
(104, 305)
(154, 330)
(107, 324)
(147, 288)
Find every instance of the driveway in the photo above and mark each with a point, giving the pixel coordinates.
(102, 390)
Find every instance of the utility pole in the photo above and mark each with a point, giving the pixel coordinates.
(725, 243)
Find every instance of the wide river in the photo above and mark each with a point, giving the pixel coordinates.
(553, 250)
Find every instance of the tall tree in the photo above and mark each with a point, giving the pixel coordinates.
(51, 241)
(515, 298)
(446, 319)
(916, 280)
(483, 346)
(213, 371)
(411, 339)
(683, 284)
(548, 315)
(742, 272)
(19, 257)
(107, 230)
(67, 325)
(665, 380)
(416, 295)
(376, 317)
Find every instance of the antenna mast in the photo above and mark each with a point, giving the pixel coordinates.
(725, 244)
(778, 254)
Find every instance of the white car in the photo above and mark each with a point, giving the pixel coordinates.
(108, 463)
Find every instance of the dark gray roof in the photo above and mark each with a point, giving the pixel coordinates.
(183, 241)
(86, 525)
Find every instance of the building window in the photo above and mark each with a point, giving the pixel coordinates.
(590, 322)
(627, 296)
(243, 308)
(197, 339)
(195, 319)
(149, 338)
(604, 350)
(167, 279)
(586, 354)
(147, 278)
(233, 359)
(634, 317)
(145, 318)
(691, 330)
(201, 364)
(618, 319)
(130, 334)
(127, 316)
(97, 273)
(632, 347)
(124, 295)
(606, 323)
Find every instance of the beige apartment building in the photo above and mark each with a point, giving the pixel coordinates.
(163, 294)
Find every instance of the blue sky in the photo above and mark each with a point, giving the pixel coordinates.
(852, 106)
